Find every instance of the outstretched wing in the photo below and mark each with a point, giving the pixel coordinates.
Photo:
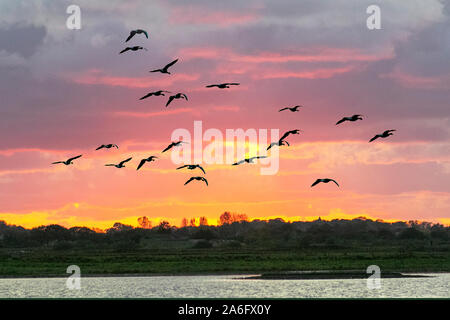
(259, 157)
(102, 146)
(156, 70)
(57, 162)
(168, 147)
(122, 162)
(212, 85)
(124, 50)
(200, 167)
(206, 181)
(389, 131)
(316, 182)
(376, 137)
(170, 100)
(185, 96)
(271, 145)
(190, 179)
(170, 64)
(144, 32)
(335, 182)
(74, 158)
(283, 109)
(110, 165)
(183, 167)
(238, 163)
(285, 135)
(132, 33)
(340, 121)
(141, 163)
(146, 96)
(232, 84)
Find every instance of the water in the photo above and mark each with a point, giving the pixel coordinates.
(216, 286)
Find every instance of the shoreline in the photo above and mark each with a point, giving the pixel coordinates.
(288, 275)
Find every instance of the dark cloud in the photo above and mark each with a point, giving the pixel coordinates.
(22, 39)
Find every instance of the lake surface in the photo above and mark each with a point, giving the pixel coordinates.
(224, 286)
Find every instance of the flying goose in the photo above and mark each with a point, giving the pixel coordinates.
(120, 165)
(173, 144)
(192, 167)
(196, 178)
(292, 109)
(165, 69)
(132, 49)
(326, 180)
(149, 159)
(352, 118)
(137, 31)
(176, 96)
(68, 161)
(385, 134)
(223, 85)
(108, 146)
(296, 131)
(248, 160)
(155, 93)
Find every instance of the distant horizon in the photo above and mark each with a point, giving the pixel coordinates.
(215, 222)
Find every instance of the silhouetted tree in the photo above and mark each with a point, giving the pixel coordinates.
(144, 223)
(164, 227)
(203, 221)
(225, 218)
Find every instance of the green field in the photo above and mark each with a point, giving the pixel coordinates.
(39, 262)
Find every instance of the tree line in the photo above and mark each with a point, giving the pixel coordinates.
(233, 231)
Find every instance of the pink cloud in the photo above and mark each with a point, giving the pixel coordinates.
(97, 77)
(227, 108)
(153, 114)
(322, 73)
(319, 54)
(421, 82)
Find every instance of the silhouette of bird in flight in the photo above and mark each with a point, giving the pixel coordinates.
(292, 109)
(385, 134)
(278, 143)
(120, 165)
(108, 146)
(165, 69)
(149, 159)
(137, 31)
(296, 131)
(352, 118)
(324, 181)
(196, 178)
(223, 85)
(155, 93)
(192, 167)
(176, 96)
(173, 144)
(132, 49)
(68, 161)
(248, 160)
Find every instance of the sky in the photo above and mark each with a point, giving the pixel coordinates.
(64, 92)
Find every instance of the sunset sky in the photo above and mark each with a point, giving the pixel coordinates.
(65, 92)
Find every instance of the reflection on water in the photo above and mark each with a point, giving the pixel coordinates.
(224, 287)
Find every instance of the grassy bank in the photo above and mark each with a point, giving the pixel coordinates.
(39, 262)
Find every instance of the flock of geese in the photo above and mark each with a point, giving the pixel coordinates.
(180, 95)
